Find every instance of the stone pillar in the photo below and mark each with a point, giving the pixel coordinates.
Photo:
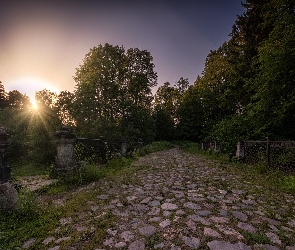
(65, 160)
(217, 147)
(123, 148)
(240, 153)
(140, 143)
(5, 171)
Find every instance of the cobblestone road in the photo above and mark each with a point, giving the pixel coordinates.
(178, 201)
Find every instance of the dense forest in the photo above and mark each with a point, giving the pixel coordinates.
(246, 91)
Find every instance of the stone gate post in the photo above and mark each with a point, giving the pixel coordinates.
(123, 148)
(240, 153)
(217, 147)
(65, 160)
(5, 171)
(139, 143)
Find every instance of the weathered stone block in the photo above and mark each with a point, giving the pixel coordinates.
(65, 160)
(8, 197)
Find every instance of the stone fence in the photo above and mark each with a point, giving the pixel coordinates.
(213, 146)
(279, 154)
(72, 151)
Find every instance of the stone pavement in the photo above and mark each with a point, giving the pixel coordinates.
(178, 201)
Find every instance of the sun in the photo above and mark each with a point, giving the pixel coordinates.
(34, 105)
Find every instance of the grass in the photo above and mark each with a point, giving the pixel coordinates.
(153, 240)
(28, 169)
(256, 238)
(154, 147)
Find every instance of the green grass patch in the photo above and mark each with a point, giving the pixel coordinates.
(190, 147)
(153, 240)
(29, 221)
(256, 238)
(155, 147)
(27, 169)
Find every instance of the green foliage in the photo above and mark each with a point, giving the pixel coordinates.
(273, 102)
(246, 90)
(153, 240)
(164, 124)
(113, 96)
(155, 147)
(287, 183)
(286, 159)
(258, 238)
(28, 169)
(91, 173)
(191, 147)
(231, 130)
(190, 116)
(137, 124)
(28, 204)
(31, 131)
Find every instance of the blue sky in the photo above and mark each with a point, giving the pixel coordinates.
(42, 43)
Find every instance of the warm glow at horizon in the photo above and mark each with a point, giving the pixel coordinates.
(29, 86)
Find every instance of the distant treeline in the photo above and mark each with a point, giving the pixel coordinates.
(245, 92)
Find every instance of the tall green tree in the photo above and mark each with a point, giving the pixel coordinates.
(140, 77)
(274, 101)
(191, 118)
(110, 85)
(169, 97)
(164, 124)
(166, 97)
(65, 108)
(215, 86)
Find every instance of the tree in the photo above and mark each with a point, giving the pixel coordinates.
(181, 85)
(169, 97)
(273, 103)
(191, 116)
(140, 77)
(3, 101)
(164, 124)
(219, 88)
(166, 97)
(65, 107)
(110, 85)
(17, 100)
(240, 81)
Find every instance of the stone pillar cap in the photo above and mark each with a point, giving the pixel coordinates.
(65, 132)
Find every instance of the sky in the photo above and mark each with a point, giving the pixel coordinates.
(43, 42)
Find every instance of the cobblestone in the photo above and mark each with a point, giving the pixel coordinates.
(179, 201)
